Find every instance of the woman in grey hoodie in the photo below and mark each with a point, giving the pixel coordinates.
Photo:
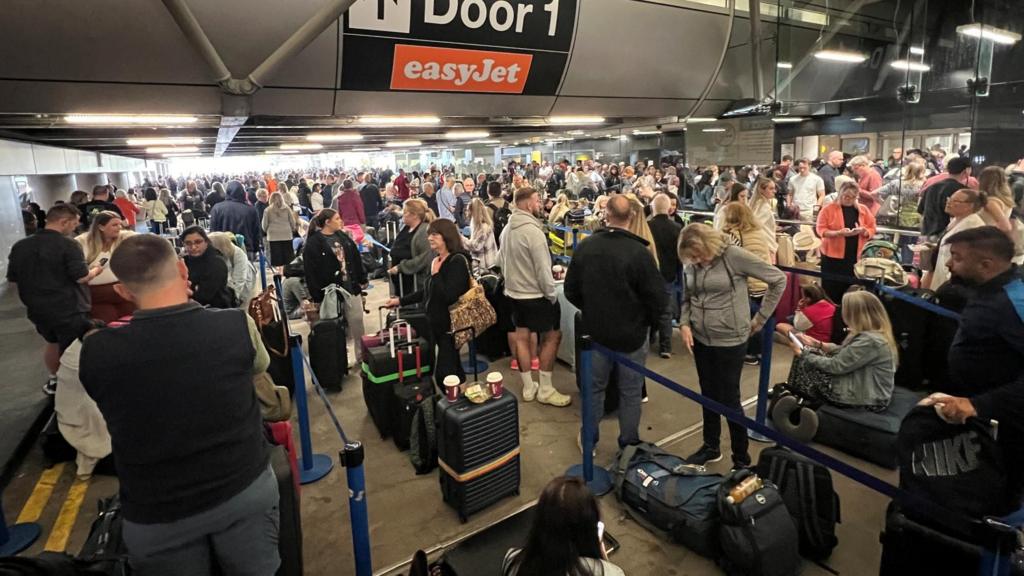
(715, 324)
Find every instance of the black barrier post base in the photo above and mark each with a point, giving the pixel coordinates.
(598, 479)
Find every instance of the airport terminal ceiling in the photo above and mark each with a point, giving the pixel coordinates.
(492, 72)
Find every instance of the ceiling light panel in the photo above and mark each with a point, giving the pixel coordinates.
(334, 137)
(170, 141)
(403, 144)
(574, 120)
(129, 119)
(171, 149)
(311, 146)
(842, 56)
(467, 134)
(399, 120)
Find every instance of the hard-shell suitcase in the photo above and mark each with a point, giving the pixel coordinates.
(328, 353)
(383, 336)
(414, 315)
(289, 543)
(385, 365)
(407, 398)
(478, 452)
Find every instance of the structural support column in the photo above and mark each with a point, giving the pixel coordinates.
(755, 49)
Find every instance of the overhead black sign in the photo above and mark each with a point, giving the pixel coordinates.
(483, 46)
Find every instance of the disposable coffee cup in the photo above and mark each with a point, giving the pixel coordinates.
(451, 387)
(496, 384)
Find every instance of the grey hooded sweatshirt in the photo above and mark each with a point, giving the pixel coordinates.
(525, 258)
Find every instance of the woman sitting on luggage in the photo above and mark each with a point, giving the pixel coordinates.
(860, 372)
(449, 279)
(241, 274)
(207, 270)
(410, 252)
(813, 315)
(105, 233)
(563, 540)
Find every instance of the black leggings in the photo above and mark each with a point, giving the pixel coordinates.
(447, 360)
(719, 368)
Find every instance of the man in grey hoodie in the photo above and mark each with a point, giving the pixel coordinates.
(529, 285)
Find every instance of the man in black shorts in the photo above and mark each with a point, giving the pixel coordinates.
(50, 272)
(530, 287)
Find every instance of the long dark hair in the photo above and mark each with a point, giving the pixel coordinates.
(316, 223)
(564, 530)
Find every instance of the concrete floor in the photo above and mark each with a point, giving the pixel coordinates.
(407, 513)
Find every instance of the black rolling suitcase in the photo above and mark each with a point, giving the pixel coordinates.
(478, 452)
(289, 542)
(414, 315)
(910, 326)
(398, 361)
(407, 398)
(328, 353)
(280, 369)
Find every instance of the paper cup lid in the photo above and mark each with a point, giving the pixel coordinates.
(494, 377)
(451, 380)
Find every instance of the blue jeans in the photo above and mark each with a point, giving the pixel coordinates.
(631, 386)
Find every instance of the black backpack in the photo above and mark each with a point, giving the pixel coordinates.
(757, 536)
(423, 437)
(806, 489)
(500, 217)
(666, 495)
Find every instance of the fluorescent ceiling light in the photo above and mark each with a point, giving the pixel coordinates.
(845, 56)
(788, 119)
(334, 137)
(171, 149)
(403, 144)
(301, 146)
(713, 130)
(576, 133)
(700, 120)
(645, 132)
(366, 150)
(907, 65)
(281, 152)
(485, 142)
(182, 155)
(917, 50)
(165, 141)
(859, 119)
(399, 120)
(624, 138)
(570, 120)
(784, 65)
(116, 119)
(996, 35)
(466, 134)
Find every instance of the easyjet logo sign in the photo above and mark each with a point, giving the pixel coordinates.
(459, 70)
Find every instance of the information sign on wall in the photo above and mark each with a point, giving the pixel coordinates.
(481, 46)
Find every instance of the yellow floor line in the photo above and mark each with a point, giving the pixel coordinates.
(58, 540)
(36, 502)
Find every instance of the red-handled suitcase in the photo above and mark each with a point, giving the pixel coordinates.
(386, 365)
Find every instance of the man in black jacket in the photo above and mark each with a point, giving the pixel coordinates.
(175, 388)
(237, 217)
(613, 280)
(986, 360)
(666, 237)
(101, 202)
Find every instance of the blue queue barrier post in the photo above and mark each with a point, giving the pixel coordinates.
(263, 270)
(351, 459)
(16, 537)
(312, 467)
(767, 341)
(472, 363)
(598, 479)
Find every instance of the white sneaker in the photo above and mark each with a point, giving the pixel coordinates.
(555, 398)
(530, 392)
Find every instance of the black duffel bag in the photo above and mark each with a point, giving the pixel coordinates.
(757, 536)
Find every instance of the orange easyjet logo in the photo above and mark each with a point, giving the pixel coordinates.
(458, 70)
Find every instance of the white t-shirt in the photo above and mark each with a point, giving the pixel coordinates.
(805, 192)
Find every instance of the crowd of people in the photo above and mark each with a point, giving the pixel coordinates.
(157, 277)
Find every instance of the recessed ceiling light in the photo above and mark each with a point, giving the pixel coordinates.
(182, 155)
(645, 132)
(301, 146)
(917, 50)
(365, 150)
(466, 134)
(713, 130)
(165, 141)
(403, 144)
(859, 119)
(784, 65)
(399, 120)
(572, 120)
(484, 142)
(171, 149)
(989, 33)
(907, 65)
(142, 119)
(700, 120)
(334, 137)
(576, 132)
(787, 119)
(844, 56)
(281, 152)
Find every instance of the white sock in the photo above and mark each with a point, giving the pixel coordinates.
(545, 381)
(527, 380)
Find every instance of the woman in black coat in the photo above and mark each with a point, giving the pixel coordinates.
(330, 256)
(449, 279)
(207, 270)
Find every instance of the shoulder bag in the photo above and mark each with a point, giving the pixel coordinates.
(471, 311)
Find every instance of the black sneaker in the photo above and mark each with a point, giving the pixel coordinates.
(705, 455)
(50, 388)
(666, 355)
(740, 463)
(751, 360)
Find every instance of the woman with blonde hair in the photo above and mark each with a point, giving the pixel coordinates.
(999, 210)
(762, 204)
(862, 368)
(638, 225)
(562, 207)
(743, 229)
(241, 276)
(715, 325)
(482, 245)
(899, 197)
(98, 244)
(410, 251)
(280, 225)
